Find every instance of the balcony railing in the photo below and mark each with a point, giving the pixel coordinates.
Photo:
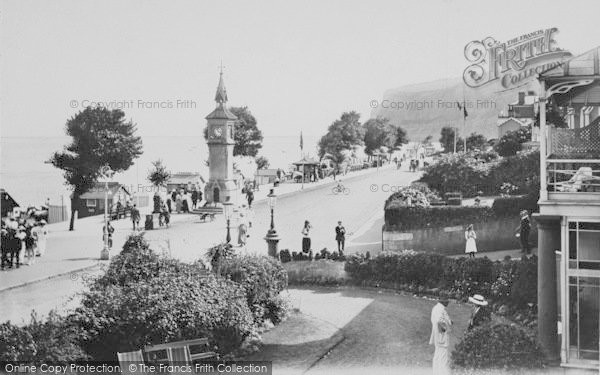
(573, 175)
(573, 159)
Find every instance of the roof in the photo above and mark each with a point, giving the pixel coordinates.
(184, 178)
(98, 190)
(306, 161)
(517, 120)
(586, 64)
(221, 112)
(7, 199)
(266, 172)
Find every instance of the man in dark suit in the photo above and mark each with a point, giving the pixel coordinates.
(340, 237)
(524, 229)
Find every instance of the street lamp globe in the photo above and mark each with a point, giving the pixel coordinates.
(272, 199)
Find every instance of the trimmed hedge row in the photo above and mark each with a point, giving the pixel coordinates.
(401, 217)
(510, 283)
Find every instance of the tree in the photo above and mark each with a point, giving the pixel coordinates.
(401, 137)
(100, 137)
(379, 132)
(262, 162)
(248, 138)
(553, 117)
(159, 176)
(476, 142)
(343, 134)
(512, 142)
(447, 139)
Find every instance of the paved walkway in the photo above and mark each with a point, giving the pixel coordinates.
(72, 252)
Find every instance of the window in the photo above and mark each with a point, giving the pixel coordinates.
(90, 203)
(584, 245)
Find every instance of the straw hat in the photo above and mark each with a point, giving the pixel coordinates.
(478, 299)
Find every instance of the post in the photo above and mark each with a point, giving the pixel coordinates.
(104, 254)
(549, 235)
(543, 140)
(272, 237)
(465, 132)
(228, 236)
(303, 172)
(455, 131)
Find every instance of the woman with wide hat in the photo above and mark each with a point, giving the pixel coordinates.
(480, 313)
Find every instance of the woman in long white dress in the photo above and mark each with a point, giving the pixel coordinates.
(41, 234)
(470, 236)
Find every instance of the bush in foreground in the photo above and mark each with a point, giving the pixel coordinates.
(262, 278)
(494, 345)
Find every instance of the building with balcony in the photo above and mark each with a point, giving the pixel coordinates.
(569, 217)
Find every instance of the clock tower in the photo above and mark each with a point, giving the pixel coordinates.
(221, 186)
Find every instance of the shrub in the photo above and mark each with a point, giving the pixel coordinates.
(516, 283)
(512, 142)
(16, 343)
(166, 308)
(498, 346)
(285, 256)
(325, 254)
(512, 206)
(262, 278)
(407, 218)
(522, 171)
(56, 339)
(416, 195)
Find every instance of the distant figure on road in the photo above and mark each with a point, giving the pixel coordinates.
(40, 232)
(135, 217)
(194, 198)
(249, 196)
(107, 232)
(523, 232)
(306, 237)
(470, 236)
(340, 237)
(242, 230)
(440, 337)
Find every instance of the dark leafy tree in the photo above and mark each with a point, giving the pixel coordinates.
(447, 140)
(379, 133)
(100, 137)
(476, 142)
(159, 175)
(554, 116)
(248, 138)
(343, 134)
(262, 162)
(512, 142)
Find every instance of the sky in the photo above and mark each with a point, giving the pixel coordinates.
(297, 65)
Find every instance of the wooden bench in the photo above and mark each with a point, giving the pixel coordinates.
(208, 212)
(180, 352)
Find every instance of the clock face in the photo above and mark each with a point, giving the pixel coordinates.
(217, 132)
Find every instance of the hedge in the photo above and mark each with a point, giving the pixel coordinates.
(401, 217)
(512, 283)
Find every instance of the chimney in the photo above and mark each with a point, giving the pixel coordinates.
(521, 97)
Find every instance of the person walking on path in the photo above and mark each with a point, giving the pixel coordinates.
(340, 237)
(249, 196)
(440, 337)
(107, 232)
(242, 230)
(523, 232)
(40, 232)
(306, 237)
(29, 241)
(135, 217)
(480, 313)
(471, 246)
(194, 198)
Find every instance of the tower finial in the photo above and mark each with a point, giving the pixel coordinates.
(221, 68)
(221, 96)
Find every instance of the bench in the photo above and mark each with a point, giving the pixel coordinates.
(118, 213)
(208, 212)
(180, 352)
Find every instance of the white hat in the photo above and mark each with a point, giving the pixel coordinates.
(43, 222)
(478, 300)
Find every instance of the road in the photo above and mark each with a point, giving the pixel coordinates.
(361, 212)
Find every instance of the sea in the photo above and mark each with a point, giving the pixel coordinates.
(30, 180)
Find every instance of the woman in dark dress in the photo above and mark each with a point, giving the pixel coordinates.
(306, 237)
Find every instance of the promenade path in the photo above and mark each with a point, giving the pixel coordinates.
(188, 238)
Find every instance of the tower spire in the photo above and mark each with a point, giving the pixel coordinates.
(221, 95)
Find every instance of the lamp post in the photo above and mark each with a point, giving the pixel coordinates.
(107, 173)
(228, 210)
(272, 238)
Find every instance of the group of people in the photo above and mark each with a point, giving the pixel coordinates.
(179, 200)
(22, 241)
(441, 327)
(522, 232)
(340, 237)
